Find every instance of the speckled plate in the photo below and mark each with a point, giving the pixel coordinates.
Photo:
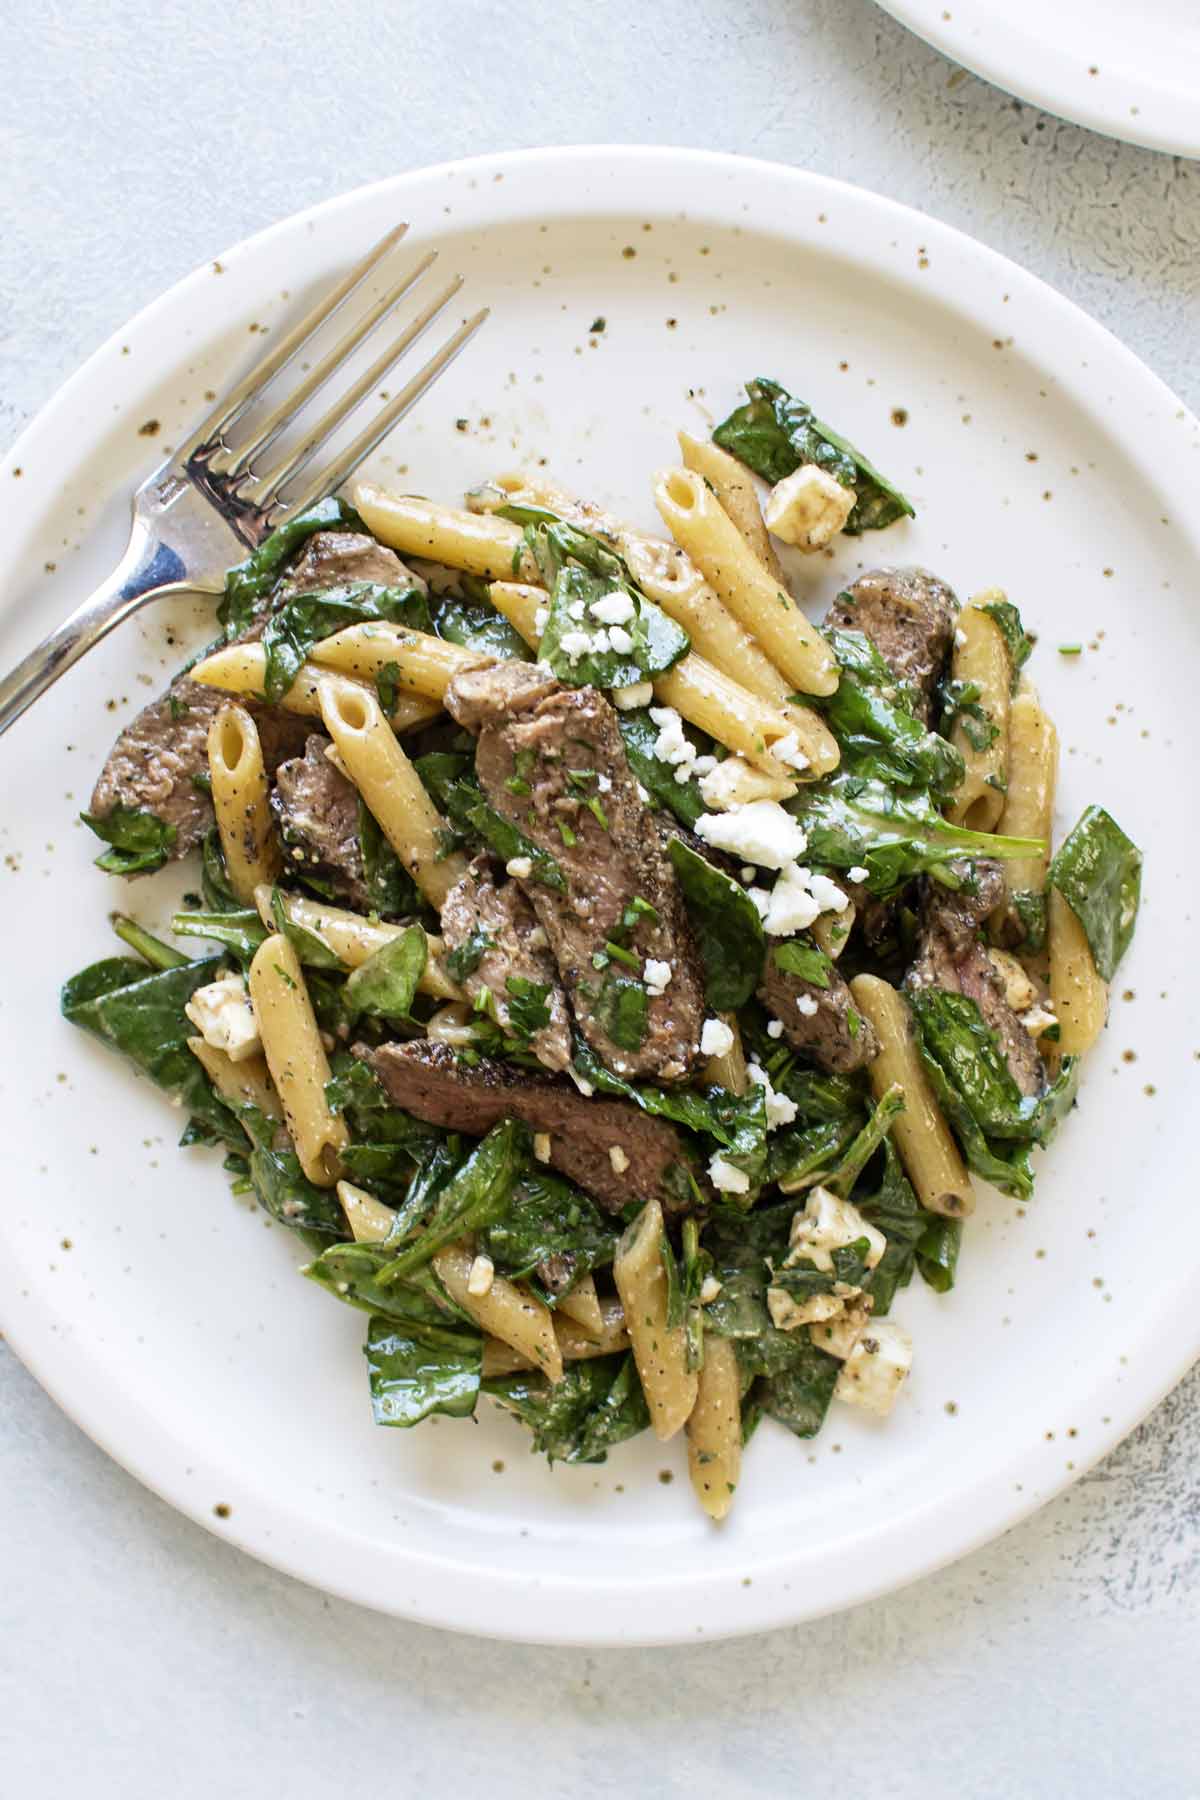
(1130, 73)
(168, 1319)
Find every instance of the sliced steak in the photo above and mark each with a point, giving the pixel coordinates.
(152, 764)
(516, 949)
(333, 558)
(823, 1024)
(427, 1080)
(951, 956)
(317, 812)
(909, 615)
(576, 799)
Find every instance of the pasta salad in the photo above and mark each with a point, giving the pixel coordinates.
(614, 979)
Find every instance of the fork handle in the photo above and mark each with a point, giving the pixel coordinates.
(148, 568)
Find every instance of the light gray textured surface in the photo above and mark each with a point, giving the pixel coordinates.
(137, 1647)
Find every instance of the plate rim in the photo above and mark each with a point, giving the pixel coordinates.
(1044, 75)
(455, 1596)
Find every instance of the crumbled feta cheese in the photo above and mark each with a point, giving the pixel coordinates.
(788, 751)
(1038, 1019)
(576, 610)
(656, 975)
(710, 1287)
(760, 899)
(780, 1110)
(748, 871)
(1019, 991)
(483, 1273)
(541, 619)
(873, 1373)
(620, 640)
(828, 1224)
(224, 1017)
(613, 609)
(808, 508)
(735, 782)
(639, 693)
(643, 796)
(575, 644)
(618, 1159)
(788, 1313)
(581, 1082)
(601, 641)
(761, 833)
(827, 894)
(541, 1146)
(838, 1336)
(725, 1178)
(716, 1038)
(519, 867)
(792, 906)
(960, 637)
(671, 745)
(806, 1006)
(775, 1028)
(543, 668)
(603, 782)
(857, 873)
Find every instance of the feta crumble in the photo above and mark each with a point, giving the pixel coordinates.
(575, 644)
(618, 1159)
(613, 609)
(788, 751)
(725, 1178)
(716, 1038)
(519, 867)
(710, 1287)
(541, 1146)
(656, 975)
(620, 640)
(576, 610)
(775, 1028)
(858, 873)
(639, 693)
(483, 1273)
(808, 508)
(806, 1006)
(541, 619)
(224, 1017)
(780, 1110)
(873, 1373)
(827, 1224)
(761, 833)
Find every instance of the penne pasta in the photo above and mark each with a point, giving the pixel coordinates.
(661, 1354)
(981, 662)
(700, 525)
(582, 1304)
(242, 669)
(245, 1083)
(370, 1221)
(928, 1151)
(476, 542)
(520, 604)
(734, 487)
(575, 1343)
(714, 1428)
(1029, 806)
(390, 786)
(831, 930)
(354, 939)
(296, 1057)
(240, 795)
(423, 664)
(1078, 996)
(507, 1311)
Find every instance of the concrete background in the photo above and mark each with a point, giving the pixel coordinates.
(138, 1655)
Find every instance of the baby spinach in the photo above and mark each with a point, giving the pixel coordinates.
(466, 957)
(799, 1394)
(894, 1209)
(1017, 641)
(1098, 872)
(309, 946)
(937, 1253)
(729, 931)
(139, 841)
(467, 809)
(476, 1195)
(284, 1191)
(683, 798)
(390, 888)
(469, 618)
(249, 583)
(862, 1148)
(774, 435)
(241, 931)
(598, 1404)
(547, 1218)
(528, 1004)
(350, 1272)
(152, 950)
(621, 1008)
(418, 1370)
(386, 984)
(800, 957)
(303, 621)
(657, 642)
(804, 1155)
(876, 729)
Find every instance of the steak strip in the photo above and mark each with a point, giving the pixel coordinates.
(909, 616)
(823, 1034)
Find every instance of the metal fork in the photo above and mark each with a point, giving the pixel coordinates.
(203, 508)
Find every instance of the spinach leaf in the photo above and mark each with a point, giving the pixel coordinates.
(414, 1373)
(387, 686)
(475, 1196)
(893, 833)
(937, 1253)
(800, 957)
(242, 931)
(467, 956)
(737, 1122)
(548, 1218)
(214, 877)
(621, 1009)
(875, 726)
(598, 1404)
(311, 949)
(1016, 641)
(895, 1210)
(141, 1016)
(386, 984)
(473, 621)
(802, 1156)
(302, 622)
(1098, 872)
(528, 1007)
(390, 888)
(357, 1092)
(773, 434)
(683, 798)
(858, 1154)
(350, 1272)
(284, 1191)
(697, 1267)
(803, 1279)
(251, 581)
(467, 808)
(140, 841)
(152, 950)
(441, 771)
(728, 929)
(798, 1396)
(962, 704)
(1029, 909)
(578, 648)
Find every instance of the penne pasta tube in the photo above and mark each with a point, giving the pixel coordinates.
(390, 786)
(507, 1311)
(714, 1428)
(519, 603)
(1078, 996)
(929, 1153)
(660, 1354)
(354, 939)
(424, 664)
(831, 930)
(582, 1305)
(296, 1057)
(370, 1221)
(701, 526)
(981, 661)
(240, 795)
(245, 1083)
(477, 542)
(575, 1343)
(734, 487)
(1028, 807)
(242, 669)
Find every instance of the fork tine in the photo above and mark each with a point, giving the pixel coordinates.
(343, 466)
(230, 409)
(267, 486)
(299, 396)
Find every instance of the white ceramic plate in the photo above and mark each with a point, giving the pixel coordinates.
(1130, 73)
(1043, 457)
